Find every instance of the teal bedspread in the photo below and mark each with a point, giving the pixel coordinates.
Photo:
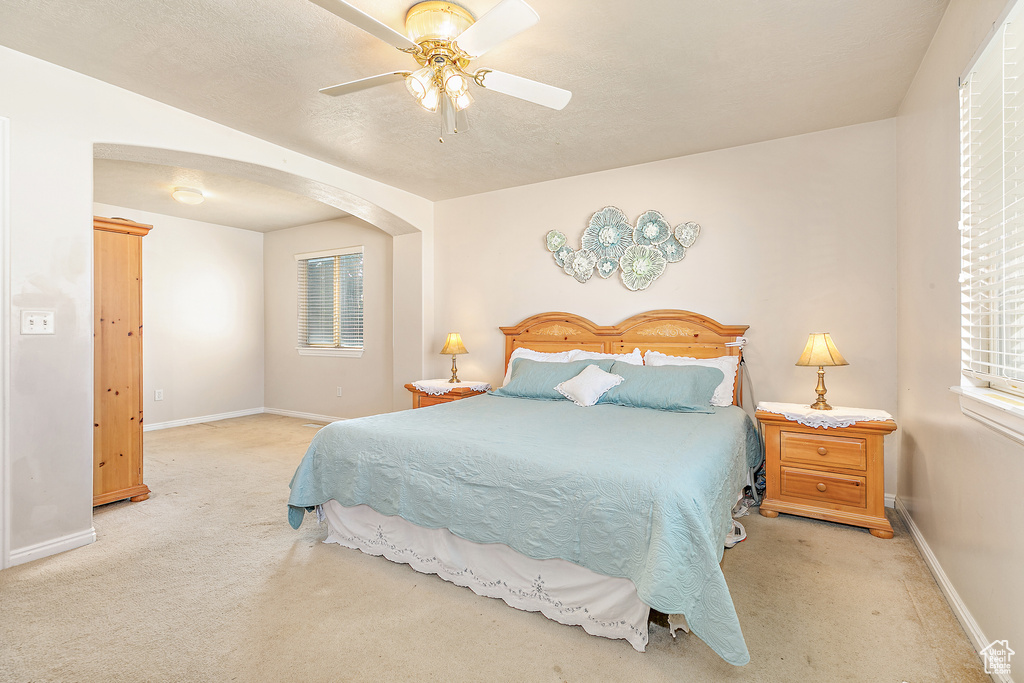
(626, 492)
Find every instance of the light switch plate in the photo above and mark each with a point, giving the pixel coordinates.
(37, 322)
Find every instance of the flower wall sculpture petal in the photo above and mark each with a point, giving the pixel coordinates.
(606, 267)
(562, 254)
(672, 250)
(651, 228)
(555, 240)
(687, 233)
(583, 265)
(609, 233)
(640, 266)
(569, 260)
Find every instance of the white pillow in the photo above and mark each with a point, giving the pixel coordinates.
(587, 388)
(729, 365)
(521, 352)
(633, 358)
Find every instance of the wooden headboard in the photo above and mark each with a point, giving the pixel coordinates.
(672, 332)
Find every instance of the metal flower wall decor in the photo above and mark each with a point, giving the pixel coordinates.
(640, 253)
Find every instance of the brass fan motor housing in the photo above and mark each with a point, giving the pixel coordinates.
(448, 52)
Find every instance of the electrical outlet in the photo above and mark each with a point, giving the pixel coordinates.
(37, 322)
(339, 391)
(158, 395)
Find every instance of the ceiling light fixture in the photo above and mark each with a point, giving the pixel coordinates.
(188, 195)
(434, 26)
(443, 38)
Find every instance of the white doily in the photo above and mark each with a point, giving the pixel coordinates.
(436, 387)
(839, 416)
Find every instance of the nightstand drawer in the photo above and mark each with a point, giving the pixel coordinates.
(822, 486)
(825, 451)
(428, 400)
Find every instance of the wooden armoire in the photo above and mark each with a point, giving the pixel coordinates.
(117, 304)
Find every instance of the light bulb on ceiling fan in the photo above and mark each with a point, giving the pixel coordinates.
(419, 82)
(455, 83)
(431, 98)
(462, 101)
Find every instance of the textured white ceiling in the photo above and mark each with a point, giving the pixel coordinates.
(651, 80)
(229, 200)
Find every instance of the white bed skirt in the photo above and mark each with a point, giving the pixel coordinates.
(562, 591)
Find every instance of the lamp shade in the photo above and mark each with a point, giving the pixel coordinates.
(453, 345)
(821, 351)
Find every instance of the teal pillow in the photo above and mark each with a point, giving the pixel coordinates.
(536, 379)
(679, 388)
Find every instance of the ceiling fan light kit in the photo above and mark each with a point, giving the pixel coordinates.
(436, 21)
(444, 38)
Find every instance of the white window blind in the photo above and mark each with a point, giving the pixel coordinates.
(330, 287)
(992, 210)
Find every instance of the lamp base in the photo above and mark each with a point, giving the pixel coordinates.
(455, 373)
(820, 404)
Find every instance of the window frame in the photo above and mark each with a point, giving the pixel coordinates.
(325, 350)
(988, 397)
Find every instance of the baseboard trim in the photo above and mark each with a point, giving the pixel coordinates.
(890, 500)
(201, 419)
(963, 615)
(52, 547)
(304, 416)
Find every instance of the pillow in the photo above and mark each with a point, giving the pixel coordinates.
(682, 389)
(521, 352)
(634, 358)
(587, 387)
(727, 364)
(537, 379)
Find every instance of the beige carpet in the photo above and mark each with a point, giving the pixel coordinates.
(206, 581)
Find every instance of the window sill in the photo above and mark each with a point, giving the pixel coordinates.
(341, 353)
(995, 409)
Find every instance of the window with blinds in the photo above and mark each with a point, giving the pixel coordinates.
(330, 287)
(992, 211)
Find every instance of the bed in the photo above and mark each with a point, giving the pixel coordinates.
(590, 515)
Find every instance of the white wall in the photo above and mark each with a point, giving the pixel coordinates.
(798, 237)
(961, 482)
(202, 307)
(56, 116)
(308, 384)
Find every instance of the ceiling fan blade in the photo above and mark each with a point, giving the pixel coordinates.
(364, 21)
(364, 83)
(525, 89)
(506, 19)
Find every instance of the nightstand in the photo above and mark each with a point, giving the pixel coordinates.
(426, 392)
(831, 473)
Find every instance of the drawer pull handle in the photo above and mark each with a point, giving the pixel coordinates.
(821, 487)
(822, 450)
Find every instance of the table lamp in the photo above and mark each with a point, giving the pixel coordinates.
(453, 345)
(820, 351)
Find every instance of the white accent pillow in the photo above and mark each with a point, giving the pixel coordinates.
(521, 352)
(729, 365)
(587, 388)
(633, 358)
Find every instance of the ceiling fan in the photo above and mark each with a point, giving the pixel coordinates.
(444, 38)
